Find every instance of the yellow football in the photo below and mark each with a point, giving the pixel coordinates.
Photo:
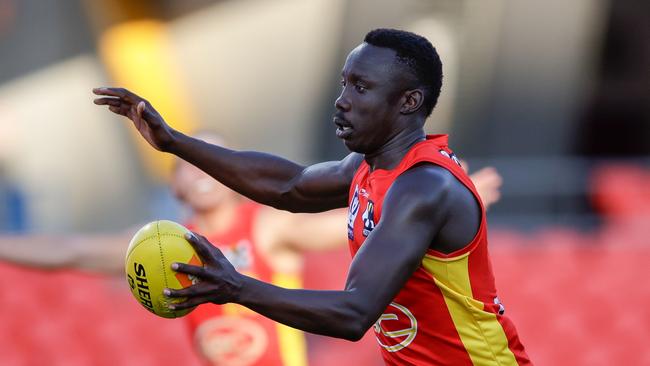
(148, 259)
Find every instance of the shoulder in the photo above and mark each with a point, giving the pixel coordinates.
(425, 190)
(350, 164)
(338, 170)
(432, 201)
(424, 181)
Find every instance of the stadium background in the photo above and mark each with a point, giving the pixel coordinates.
(555, 94)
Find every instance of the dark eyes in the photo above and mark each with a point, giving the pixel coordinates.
(358, 87)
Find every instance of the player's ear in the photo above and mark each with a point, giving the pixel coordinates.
(413, 100)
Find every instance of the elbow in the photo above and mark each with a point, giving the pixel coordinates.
(290, 199)
(285, 201)
(358, 323)
(355, 333)
(356, 330)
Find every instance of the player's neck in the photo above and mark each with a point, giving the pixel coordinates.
(218, 220)
(391, 153)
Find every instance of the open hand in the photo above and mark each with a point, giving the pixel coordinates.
(488, 183)
(219, 282)
(146, 119)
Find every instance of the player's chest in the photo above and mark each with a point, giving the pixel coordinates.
(364, 209)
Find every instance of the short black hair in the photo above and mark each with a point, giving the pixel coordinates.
(417, 53)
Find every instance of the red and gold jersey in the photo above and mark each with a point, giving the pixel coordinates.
(232, 335)
(448, 312)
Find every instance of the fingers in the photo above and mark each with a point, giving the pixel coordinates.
(117, 110)
(202, 246)
(191, 291)
(190, 303)
(488, 176)
(197, 271)
(108, 101)
(115, 105)
(488, 182)
(118, 92)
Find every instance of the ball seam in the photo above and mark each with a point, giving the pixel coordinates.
(132, 247)
(162, 258)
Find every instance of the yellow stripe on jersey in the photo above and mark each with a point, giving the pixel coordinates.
(293, 349)
(232, 309)
(481, 333)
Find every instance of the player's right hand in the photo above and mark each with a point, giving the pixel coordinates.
(146, 119)
(218, 280)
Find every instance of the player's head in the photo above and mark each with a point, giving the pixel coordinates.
(197, 189)
(391, 82)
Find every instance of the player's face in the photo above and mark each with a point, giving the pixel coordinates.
(197, 189)
(370, 100)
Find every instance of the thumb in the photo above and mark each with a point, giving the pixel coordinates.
(140, 109)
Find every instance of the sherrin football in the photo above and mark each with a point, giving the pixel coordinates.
(148, 259)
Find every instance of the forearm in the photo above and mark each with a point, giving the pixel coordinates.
(339, 314)
(265, 178)
(34, 251)
(102, 254)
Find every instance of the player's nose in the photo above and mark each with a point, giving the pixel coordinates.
(342, 103)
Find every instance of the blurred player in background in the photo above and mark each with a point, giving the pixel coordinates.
(260, 241)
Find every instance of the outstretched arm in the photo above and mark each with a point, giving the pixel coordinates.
(415, 209)
(96, 253)
(264, 178)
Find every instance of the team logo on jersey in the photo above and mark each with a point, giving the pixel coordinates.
(229, 340)
(502, 309)
(368, 218)
(397, 339)
(451, 156)
(353, 210)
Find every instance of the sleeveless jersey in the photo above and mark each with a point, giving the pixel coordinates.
(232, 335)
(448, 312)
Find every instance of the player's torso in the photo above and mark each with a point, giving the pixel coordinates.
(233, 335)
(447, 312)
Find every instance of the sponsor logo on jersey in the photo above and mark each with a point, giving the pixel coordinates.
(394, 340)
(364, 193)
(368, 218)
(353, 210)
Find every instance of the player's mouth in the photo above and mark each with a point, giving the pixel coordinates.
(344, 127)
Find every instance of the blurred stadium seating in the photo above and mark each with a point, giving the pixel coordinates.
(70, 318)
(576, 298)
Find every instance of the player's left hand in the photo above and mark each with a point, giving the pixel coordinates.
(146, 119)
(219, 282)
